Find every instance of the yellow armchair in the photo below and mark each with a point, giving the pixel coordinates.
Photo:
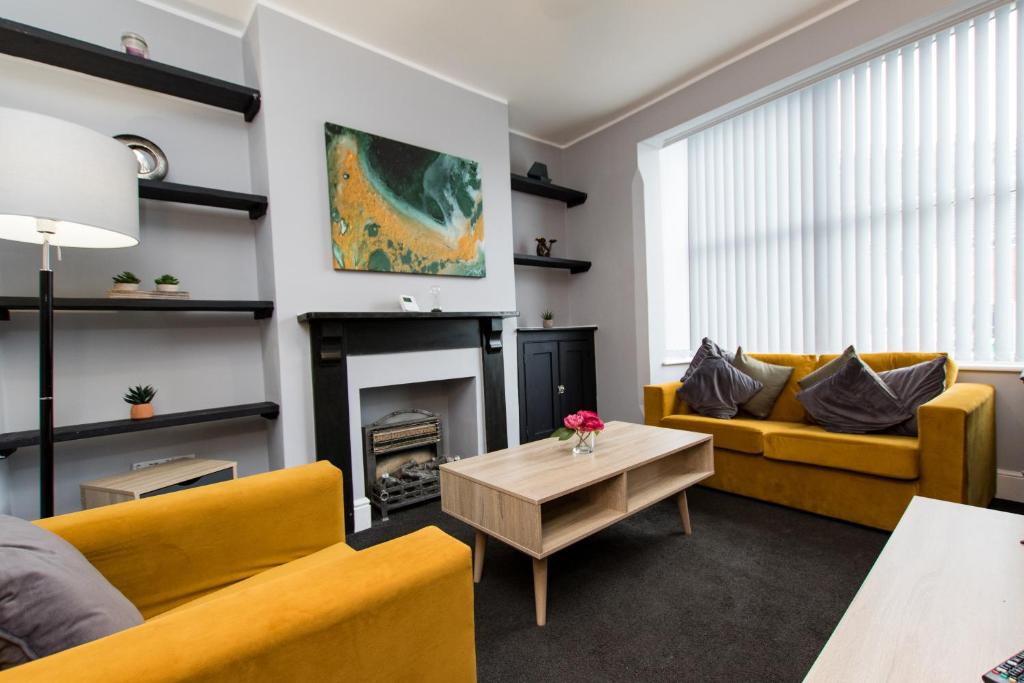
(250, 580)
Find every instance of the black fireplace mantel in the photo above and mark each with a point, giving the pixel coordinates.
(334, 336)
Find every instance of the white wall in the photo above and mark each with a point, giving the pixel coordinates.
(540, 289)
(307, 77)
(195, 360)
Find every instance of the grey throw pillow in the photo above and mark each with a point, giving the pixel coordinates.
(716, 388)
(828, 369)
(854, 400)
(773, 377)
(915, 385)
(51, 598)
(706, 349)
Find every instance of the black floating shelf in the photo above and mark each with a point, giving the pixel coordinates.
(569, 264)
(521, 183)
(29, 42)
(259, 309)
(163, 191)
(14, 440)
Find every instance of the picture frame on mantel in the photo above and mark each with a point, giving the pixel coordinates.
(396, 207)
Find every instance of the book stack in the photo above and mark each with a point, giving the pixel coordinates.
(140, 294)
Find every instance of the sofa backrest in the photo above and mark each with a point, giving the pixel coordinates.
(880, 362)
(787, 408)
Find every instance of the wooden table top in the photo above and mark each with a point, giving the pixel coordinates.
(943, 602)
(542, 470)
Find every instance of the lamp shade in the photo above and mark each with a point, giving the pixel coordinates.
(83, 181)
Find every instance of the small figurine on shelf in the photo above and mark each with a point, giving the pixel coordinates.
(435, 299)
(126, 281)
(140, 398)
(549, 318)
(544, 246)
(166, 283)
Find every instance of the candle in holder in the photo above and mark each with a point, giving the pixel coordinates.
(134, 44)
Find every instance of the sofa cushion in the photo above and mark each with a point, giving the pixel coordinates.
(51, 598)
(717, 389)
(916, 385)
(883, 455)
(743, 434)
(787, 408)
(707, 349)
(773, 377)
(827, 368)
(854, 400)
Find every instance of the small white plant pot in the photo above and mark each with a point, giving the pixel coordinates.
(126, 286)
(167, 288)
(549, 322)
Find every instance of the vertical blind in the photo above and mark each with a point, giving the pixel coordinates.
(878, 207)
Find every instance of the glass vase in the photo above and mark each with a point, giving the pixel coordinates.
(584, 443)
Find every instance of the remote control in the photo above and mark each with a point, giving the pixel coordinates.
(1010, 671)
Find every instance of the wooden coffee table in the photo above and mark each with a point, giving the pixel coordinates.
(540, 498)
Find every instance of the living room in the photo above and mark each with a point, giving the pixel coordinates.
(451, 341)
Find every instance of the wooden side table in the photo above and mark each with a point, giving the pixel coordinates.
(176, 475)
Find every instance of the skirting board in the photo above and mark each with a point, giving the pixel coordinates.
(1010, 485)
(362, 514)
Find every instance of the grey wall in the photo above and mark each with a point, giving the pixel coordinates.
(308, 77)
(195, 360)
(540, 289)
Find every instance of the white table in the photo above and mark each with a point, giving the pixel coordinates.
(943, 602)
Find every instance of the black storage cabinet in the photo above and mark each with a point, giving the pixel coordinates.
(557, 376)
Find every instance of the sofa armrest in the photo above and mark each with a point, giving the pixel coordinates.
(660, 401)
(167, 550)
(957, 432)
(400, 609)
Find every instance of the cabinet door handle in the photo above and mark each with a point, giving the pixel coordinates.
(561, 388)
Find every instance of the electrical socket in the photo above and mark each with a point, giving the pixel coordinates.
(150, 463)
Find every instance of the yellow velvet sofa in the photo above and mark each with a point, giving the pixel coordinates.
(251, 580)
(863, 478)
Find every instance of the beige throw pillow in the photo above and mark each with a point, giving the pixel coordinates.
(773, 377)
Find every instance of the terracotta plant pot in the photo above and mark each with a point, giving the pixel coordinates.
(126, 286)
(142, 411)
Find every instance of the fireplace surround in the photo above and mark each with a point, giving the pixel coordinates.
(334, 337)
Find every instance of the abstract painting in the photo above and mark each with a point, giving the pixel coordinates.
(400, 208)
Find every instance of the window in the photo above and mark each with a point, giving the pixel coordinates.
(877, 207)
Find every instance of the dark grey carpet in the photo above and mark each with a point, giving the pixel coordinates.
(753, 594)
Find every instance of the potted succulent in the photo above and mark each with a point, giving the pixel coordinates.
(549, 318)
(140, 398)
(126, 282)
(166, 283)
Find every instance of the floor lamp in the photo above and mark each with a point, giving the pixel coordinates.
(61, 185)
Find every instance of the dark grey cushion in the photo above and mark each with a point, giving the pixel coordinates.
(854, 400)
(828, 369)
(707, 348)
(716, 388)
(51, 598)
(773, 377)
(915, 385)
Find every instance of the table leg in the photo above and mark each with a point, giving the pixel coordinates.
(540, 590)
(478, 556)
(684, 512)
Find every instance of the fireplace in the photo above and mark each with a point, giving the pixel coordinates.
(351, 351)
(403, 454)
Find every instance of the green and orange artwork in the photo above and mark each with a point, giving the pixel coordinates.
(400, 208)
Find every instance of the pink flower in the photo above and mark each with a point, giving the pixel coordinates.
(574, 421)
(591, 421)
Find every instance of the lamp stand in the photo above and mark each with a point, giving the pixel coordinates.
(45, 374)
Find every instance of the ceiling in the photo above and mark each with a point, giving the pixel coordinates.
(565, 67)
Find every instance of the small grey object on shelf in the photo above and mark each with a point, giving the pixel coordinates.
(544, 246)
(134, 44)
(539, 171)
(152, 160)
